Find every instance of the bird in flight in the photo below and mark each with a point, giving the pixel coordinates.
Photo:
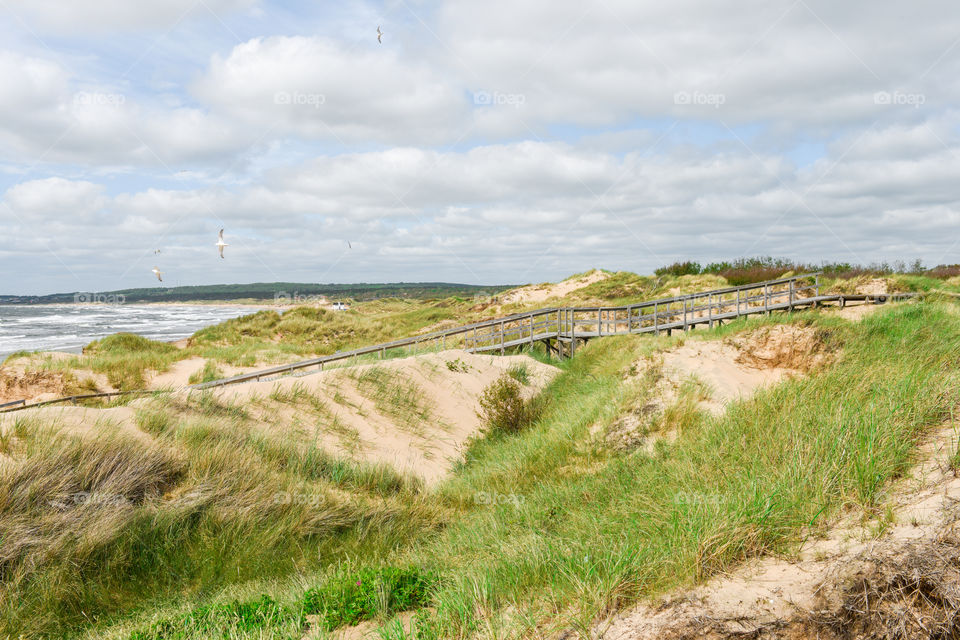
(157, 273)
(379, 35)
(156, 251)
(349, 245)
(221, 244)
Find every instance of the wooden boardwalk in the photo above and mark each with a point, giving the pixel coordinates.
(562, 328)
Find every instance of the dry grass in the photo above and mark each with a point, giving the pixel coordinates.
(910, 591)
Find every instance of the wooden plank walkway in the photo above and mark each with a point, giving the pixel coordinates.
(561, 328)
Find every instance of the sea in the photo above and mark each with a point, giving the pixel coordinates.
(69, 327)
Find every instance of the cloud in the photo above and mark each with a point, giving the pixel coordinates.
(482, 142)
(516, 212)
(319, 88)
(808, 63)
(56, 198)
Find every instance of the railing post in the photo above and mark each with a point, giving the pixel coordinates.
(531, 329)
(685, 315)
(501, 337)
(738, 302)
(766, 298)
(710, 310)
(599, 322)
(656, 319)
(791, 296)
(573, 333)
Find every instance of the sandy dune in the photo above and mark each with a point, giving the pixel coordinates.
(784, 597)
(415, 413)
(543, 292)
(447, 386)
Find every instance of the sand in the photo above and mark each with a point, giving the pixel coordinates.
(725, 371)
(26, 379)
(447, 386)
(770, 593)
(543, 292)
(428, 448)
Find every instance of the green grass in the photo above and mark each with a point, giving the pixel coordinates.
(595, 530)
(394, 396)
(124, 357)
(208, 373)
(567, 529)
(212, 502)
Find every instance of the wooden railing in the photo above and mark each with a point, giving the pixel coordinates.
(679, 312)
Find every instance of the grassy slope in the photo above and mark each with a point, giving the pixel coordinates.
(105, 524)
(577, 529)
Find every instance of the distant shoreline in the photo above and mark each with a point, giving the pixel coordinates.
(204, 303)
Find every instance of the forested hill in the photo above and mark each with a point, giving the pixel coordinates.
(265, 291)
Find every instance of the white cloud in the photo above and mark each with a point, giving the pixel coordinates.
(509, 212)
(318, 88)
(56, 198)
(535, 138)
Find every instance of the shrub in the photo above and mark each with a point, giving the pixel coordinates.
(520, 373)
(504, 409)
(679, 269)
(224, 618)
(352, 597)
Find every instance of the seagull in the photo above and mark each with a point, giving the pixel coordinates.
(379, 35)
(221, 244)
(157, 273)
(156, 251)
(350, 246)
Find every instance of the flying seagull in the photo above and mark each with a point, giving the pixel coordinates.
(157, 273)
(349, 245)
(221, 244)
(379, 35)
(156, 251)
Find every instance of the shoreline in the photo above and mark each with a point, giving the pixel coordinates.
(233, 305)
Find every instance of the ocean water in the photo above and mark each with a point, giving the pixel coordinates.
(69, 327)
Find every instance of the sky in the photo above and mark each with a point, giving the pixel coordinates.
(479, 142)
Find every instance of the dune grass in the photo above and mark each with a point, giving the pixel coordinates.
(548, 530)
(95, 526)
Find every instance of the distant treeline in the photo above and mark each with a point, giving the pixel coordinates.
(750, 270)
(272, 291)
